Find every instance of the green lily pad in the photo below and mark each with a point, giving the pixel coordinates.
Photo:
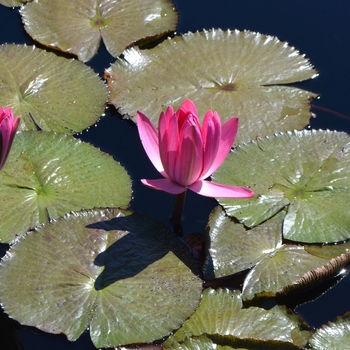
(78, 27)
(48, 174)
(49, 92)
(122, 275)
(196, 343)
(234, 73)
(330, 251)
(281, 272)
(232, 248)
(307, 172)
(334, 267)
(222, 318)
(12, 3)
(334, 335)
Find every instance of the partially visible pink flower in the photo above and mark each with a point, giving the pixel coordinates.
(186, 153)
(8, 128)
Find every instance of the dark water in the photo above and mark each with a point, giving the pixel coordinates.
(318, 29)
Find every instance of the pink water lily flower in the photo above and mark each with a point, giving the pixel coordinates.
(8, 128)
(186, 153)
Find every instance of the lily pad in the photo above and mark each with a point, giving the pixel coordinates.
(334, 268)
(274, 266)
(49, 92)
(234, 73)
(330, 251)
(334, 335)
(307, 172)
(49, 174)
(221, 313)
(12, 3)
(197, 343)
(78, 27)
(122, 275)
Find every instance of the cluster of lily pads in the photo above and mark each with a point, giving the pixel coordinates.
(80, 258)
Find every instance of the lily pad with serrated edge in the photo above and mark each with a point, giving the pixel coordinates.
(232, 248)
(49, 92)
(49, 174)
(78, 27)
(234, 73)
(306, 172)
(220, 313)
(334, 335)
(120, 274)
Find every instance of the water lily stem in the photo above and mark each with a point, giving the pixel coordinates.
(176, 218)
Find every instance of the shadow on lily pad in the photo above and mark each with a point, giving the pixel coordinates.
(133, 253)
(118, 273)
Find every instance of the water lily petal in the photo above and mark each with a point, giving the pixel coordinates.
(5, 112)
(164, 120)
(211, 135)
(212, 189)
(228, 135)
(187, 108)
(149, 138)
(189, 162)
(165, 185)
(168, 140)
(8, 128)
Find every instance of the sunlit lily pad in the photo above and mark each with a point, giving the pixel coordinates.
(196, 343)
(220, 317)
(330, 251)
(49, 92)
(334, 335)
(235, 73)
(12, 3)
(127, 279)
(307, 172)
(232, 248)
(49, 174)
(334, 268)
(78, 27)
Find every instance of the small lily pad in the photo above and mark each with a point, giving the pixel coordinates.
(274, 266)
(122, 275)
(221, 315)
(334, 335)
(78, 27)
(236, 73)
(49, 174)
(49, 92)
(306, 172)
